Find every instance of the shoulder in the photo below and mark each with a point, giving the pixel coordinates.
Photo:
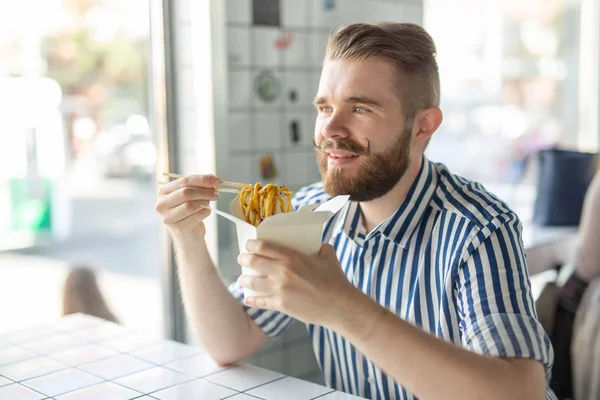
(311, 194)
(481, 211)
(468, 199)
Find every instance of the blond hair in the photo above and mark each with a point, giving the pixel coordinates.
(408, 47)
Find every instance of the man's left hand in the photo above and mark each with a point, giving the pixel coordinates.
(309, 288)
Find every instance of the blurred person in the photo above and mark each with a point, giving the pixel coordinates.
(585, 349)
(420, 289)
(587, 268)
(587, 263)
(81, 294)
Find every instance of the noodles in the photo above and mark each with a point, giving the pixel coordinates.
(258, 203)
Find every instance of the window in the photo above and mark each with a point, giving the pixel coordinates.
(510, 77)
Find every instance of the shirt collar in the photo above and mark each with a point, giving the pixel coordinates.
(400, 226)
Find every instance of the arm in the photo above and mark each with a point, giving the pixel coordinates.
(496, 320)
(222, 326)
(588, 251)
(499, 324)
(430, 367)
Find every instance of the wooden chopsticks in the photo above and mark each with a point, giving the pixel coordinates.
(224, 183)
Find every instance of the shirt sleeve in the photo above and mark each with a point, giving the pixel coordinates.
(497, 315)
(273, 323)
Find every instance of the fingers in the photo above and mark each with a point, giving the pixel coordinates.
(266, 302)
(270, 249)
(183, 203)
(184, 210)
(189, 193)
(257, 283)
(192, 221)
(170, 206)
(202, 181)
(258, 263)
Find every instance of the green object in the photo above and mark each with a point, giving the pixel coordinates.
(31, 205)
(267, 86)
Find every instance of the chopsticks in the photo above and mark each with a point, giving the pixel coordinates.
(225, 183)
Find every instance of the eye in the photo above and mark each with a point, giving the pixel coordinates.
(325, 109)
(360, 110)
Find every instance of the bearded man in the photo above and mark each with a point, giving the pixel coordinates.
(420, 289)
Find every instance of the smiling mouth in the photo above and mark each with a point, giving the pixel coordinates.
(339, 160)
(342, 155)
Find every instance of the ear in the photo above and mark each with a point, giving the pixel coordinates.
(426, 123)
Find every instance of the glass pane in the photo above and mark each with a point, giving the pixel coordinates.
(510, 82)
(77, 162)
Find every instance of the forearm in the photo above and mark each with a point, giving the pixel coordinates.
(428, 366)
(223, 327)
(588, 252)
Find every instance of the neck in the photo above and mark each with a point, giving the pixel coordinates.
(376, 211)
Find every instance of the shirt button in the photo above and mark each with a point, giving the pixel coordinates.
(371, 380)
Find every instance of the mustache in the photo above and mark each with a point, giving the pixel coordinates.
(343, 144)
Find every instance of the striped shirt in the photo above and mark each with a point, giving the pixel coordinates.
(450, 260)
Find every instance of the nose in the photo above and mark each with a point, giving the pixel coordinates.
(334, 126)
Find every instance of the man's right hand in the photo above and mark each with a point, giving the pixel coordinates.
(182, 205)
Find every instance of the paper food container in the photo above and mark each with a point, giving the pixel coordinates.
(300, 230)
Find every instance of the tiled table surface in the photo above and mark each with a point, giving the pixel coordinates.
(82, 357)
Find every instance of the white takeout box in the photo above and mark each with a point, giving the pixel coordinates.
(300, 230)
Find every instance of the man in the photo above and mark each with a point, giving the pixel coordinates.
(421, 288)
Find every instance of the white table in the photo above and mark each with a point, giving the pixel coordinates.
(547, 246)
(82, 357)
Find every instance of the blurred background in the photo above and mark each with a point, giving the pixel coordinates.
(77, 156)
(97, 97)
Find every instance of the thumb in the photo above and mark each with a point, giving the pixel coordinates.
(327, 252)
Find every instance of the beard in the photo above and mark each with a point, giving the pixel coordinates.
(379, 173)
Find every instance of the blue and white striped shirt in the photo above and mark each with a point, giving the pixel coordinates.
(450, 260)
